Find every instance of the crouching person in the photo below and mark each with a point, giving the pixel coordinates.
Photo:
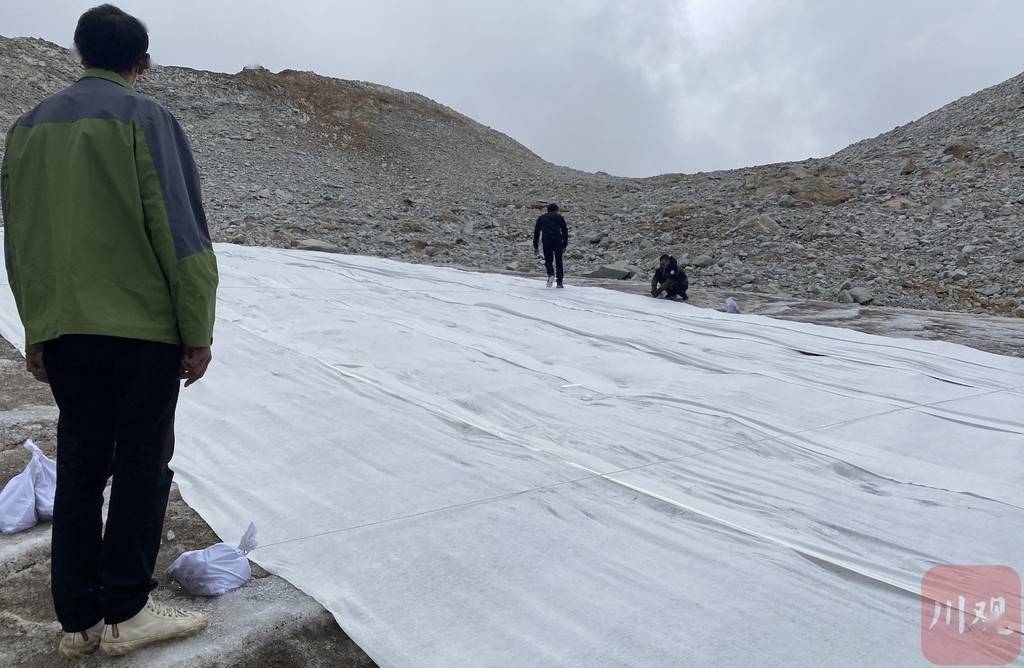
(112, 269)
(669, 280)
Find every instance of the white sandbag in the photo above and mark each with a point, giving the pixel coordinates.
(28, 497)
(731, 306)
(44, 478)
(216, 570)
(18, 503)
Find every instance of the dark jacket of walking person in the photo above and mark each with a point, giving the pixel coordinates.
(669, 280)
(552, 232)
(113, 272)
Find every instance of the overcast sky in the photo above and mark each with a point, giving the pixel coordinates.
(631, 87)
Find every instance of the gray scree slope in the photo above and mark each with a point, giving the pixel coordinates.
(927, 216)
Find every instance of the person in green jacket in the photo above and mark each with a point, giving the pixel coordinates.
(109, 257)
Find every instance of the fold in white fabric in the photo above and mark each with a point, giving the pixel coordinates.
(474, 470)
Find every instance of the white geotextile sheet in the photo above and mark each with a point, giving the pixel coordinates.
(474, 470)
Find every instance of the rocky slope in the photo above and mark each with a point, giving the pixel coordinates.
(927, 216)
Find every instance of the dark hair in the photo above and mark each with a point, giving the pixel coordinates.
(110, 39)
(665, 256)
(552, 207)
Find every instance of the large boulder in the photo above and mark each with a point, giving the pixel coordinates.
(703, 261)
(760, 224)
(960, 147)
(679, 211)
(317, 245)
(947, 204)
(862, 295)
(899, 203)
(615, 271)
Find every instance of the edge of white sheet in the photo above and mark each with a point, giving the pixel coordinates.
(1001, 375)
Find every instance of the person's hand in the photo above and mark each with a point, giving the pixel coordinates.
(34, 364)
(194, 362)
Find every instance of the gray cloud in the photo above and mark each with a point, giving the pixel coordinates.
(631, 88)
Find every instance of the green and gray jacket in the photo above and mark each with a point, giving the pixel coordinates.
(105, 231)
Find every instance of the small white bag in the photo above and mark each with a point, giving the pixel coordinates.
(216, 570)
(731, 306)
(45, 479)
(28, 497)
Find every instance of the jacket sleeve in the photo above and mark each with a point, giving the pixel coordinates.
(5, 207)
(536, 234)
(176, 222)
(565, 234)
(5, 203)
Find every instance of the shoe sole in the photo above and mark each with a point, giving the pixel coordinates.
(124, 648)
(75, 654)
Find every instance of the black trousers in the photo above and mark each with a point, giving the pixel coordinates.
(117, 399)
(553, 250)
(676, 290)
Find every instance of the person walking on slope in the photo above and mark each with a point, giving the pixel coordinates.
(114, 276)
(552, 231)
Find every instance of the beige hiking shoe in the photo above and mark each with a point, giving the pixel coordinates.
(82, 643)
(154, 623)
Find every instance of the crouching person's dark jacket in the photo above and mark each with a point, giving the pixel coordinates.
(671, 278)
